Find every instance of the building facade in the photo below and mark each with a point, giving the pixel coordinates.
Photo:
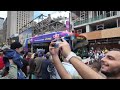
(102, 28)
(1, 23)
(16, 20)
(5, 30)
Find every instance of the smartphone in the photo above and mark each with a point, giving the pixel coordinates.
(57, 41)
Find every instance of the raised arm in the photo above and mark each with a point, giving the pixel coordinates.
(85, 71)
(60, 68)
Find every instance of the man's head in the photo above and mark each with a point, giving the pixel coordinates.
(16, 46)
(29, 55)
(110, 64)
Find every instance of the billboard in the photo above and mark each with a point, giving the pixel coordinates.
(25, 34)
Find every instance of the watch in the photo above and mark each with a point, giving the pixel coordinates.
(71, 54)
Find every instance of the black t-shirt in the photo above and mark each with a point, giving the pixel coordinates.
(24, 68)
(45, 73)
(32, 65)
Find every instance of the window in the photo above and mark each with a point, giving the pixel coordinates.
(83, 15)
(107, 13)
(78, 13)
(100, 12)
(95, 13)
(114, 13)
(100, 27)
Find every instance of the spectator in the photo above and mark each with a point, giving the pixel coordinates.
(45, 64)
(51, 69)
(85, 71)
(12, 73)
(26, 66)
(110, 64)
(14, 54)
(1, 61)
(38, 63)
(28, 56)
(32, 66)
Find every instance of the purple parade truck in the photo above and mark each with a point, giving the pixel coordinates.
(43, 41)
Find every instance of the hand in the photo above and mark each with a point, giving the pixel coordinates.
(53, 50)
(64, 48)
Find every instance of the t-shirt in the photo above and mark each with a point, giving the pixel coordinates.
(53, 72)
(1, 63)
(24, 68)
(44, 72)
(71, 70)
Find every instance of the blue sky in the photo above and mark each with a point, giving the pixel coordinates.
(37, 13)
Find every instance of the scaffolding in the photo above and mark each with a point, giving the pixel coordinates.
(44, 25)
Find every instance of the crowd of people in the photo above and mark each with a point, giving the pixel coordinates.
(59, 63)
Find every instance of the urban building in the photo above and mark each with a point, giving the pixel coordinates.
(16, 20)
(5, 30)
(1, 23)
(1, 37)
(102, 28)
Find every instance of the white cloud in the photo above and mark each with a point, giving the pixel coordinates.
(54, 14)
(47, 12)
(3, 14)
(62, 13)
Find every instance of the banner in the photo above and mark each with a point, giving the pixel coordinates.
(67, 25)
(24, 35)
(48, 37)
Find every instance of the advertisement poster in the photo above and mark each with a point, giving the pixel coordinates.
(26, 34)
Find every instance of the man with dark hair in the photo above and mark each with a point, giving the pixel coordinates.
(15, 45)
(110, 64)
(15, 56)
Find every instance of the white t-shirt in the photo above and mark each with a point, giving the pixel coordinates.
(71, 70)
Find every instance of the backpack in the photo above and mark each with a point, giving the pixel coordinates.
(20, 74)
(16, 57)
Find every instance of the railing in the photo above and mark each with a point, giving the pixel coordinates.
(78, 22)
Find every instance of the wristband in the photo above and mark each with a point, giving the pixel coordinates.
(71, 54)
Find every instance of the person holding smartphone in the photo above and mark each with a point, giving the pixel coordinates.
(85, 71)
